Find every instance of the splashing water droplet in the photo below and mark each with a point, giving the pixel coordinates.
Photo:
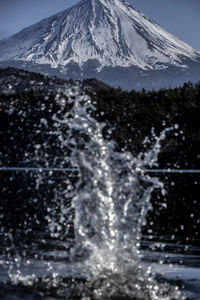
(111, 200)
(110, 195)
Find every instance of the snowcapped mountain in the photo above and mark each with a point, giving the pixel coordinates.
(97, 38)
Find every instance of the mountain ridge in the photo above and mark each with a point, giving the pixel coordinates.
(94, 38)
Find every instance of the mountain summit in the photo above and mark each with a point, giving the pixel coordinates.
(96, 38)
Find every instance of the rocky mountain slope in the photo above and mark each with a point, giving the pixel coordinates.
(106, 39)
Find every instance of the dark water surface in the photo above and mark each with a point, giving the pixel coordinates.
(47, 273)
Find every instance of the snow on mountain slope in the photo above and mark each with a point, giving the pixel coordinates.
(108, 31)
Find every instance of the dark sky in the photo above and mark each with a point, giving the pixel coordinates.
(181, 17)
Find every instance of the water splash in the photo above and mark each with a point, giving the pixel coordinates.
(111, 201)
(110, 195)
